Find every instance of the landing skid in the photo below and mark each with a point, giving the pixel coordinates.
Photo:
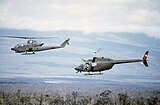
(94, 74)
(28, 53)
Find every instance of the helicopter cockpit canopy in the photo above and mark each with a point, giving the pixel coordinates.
(20, 45)
(32, 41)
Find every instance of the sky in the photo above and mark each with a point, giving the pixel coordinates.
(124, 29)
(85, 15)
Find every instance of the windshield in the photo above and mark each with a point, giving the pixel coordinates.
(19, 45)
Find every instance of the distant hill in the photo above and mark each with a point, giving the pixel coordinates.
(62, 62)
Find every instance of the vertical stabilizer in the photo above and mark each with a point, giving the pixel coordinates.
(65, 42)
(144, 59)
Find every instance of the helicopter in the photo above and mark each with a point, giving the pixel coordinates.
(34, 46)
(98, 64)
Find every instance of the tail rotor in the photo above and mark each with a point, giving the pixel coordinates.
(144, 59)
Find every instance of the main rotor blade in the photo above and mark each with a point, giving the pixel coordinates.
(99, 50)
(96, 52)
(19, 37)
(83, 60)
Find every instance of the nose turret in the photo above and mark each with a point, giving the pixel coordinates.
(13, 49)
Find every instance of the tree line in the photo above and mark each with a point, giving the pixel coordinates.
(74, 98)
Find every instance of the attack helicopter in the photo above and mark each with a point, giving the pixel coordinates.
(34, 46)
(99, 64)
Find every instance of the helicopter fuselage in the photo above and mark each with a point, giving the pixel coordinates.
(34, 46)
(98, 64)
(30, 46)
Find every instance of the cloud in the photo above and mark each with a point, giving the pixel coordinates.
(85, 15)
(120, 40)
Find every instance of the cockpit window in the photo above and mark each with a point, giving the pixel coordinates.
(94, 64)
(16, 46)
(22, 44)
(19, 45)
(30, 41)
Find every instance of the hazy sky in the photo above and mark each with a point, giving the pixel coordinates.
(86, 15)
(60, 63)
(137, 17)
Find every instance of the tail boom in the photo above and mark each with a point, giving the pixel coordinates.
(143, 60)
